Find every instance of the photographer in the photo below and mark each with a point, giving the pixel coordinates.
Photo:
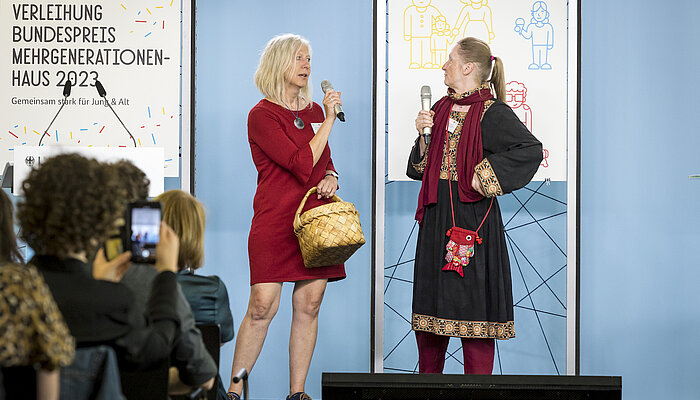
(71, 204)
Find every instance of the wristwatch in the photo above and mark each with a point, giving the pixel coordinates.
(332, 173)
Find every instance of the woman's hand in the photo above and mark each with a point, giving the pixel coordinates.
(476, 185)
(112, 271)
(327, 187)
(424, 120)
(167, 249)
(330, 99)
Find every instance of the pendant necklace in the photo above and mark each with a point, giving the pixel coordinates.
(298, 122)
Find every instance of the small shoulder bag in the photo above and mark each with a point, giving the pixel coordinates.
(460, 248)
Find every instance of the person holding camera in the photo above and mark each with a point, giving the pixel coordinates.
(71, 204)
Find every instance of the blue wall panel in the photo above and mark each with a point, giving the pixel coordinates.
(639, 209)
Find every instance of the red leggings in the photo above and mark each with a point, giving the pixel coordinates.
(478, 354)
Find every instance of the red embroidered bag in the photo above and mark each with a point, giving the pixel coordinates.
(460, 248)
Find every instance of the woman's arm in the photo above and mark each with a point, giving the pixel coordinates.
(512, 154)
(320, 139)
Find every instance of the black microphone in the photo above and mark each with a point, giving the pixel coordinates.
(66, 93)
(66, 88)
(425, 100)
(326, 86)
(102, 92)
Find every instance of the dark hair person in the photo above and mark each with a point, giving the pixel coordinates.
(191, 364)
(480, 150)
(288, 135)
(71, 204)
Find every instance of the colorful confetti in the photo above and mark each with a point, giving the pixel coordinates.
(146, 35)
(141, 21)
(13, 135)
(149, 11)
(154, 138)
(139, 142)
(149, 111)
(123, 6)
(102, 129)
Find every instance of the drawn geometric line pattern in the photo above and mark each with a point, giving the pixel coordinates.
(538, 271)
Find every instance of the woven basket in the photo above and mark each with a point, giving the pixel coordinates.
(328, 234)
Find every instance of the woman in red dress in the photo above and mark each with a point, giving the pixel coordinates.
(288, 137)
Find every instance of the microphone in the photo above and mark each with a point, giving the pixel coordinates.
(425, 100)
(102, 92)
(66, 93)
(241, 375)
(326, 86)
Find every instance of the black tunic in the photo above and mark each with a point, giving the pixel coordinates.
(480, 304)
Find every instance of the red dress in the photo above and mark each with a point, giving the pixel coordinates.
(284, 161)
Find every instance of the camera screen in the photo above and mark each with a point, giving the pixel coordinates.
(145, 228)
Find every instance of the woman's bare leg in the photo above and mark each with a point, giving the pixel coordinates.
(306, 301)
(262, 307)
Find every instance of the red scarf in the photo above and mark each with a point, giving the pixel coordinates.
(469, 150)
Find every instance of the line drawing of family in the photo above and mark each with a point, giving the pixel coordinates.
(431, 37)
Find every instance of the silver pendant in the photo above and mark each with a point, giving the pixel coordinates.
(298, 123)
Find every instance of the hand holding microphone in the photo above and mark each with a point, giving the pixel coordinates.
(424, 121)
(331, 100)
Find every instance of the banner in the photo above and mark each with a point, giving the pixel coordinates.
(531, 39)
(131, 47)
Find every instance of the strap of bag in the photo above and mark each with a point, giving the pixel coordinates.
(452, 208)
(297, 220)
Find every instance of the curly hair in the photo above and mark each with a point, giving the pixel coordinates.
(9, 252)
(133, 180)
(185, 215)
(71, 204)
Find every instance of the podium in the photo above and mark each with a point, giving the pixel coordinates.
(149, 159)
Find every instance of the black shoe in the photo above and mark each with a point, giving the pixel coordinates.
(299, 396)
(233, 396)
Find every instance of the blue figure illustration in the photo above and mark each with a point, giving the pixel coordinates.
(540, 32)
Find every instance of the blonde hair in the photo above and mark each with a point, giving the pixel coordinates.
(276, 59)
(185, 214)
(478, 52)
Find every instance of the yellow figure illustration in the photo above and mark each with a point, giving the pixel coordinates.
(418, 20)
(475, 19)
(440, 40)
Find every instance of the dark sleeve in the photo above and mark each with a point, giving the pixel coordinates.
(190, 355)
(151, 336)
(416, 163)
(512, 154)
(267, 133)
(223, 312)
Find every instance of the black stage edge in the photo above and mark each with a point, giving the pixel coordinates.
(345, 386)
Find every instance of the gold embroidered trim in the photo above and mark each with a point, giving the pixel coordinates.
(420, 167)
(488, 179)
(487, 104)
(463, 329)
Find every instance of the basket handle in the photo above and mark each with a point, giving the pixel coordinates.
(297, 220)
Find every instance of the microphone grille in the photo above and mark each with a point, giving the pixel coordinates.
(326, 85)
(425, 92)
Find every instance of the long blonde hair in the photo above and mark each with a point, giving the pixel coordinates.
(276, 59)
(476, 51)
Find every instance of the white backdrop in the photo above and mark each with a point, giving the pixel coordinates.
(133, 47)
(529, 36)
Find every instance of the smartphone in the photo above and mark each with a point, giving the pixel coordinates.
(143, 230)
